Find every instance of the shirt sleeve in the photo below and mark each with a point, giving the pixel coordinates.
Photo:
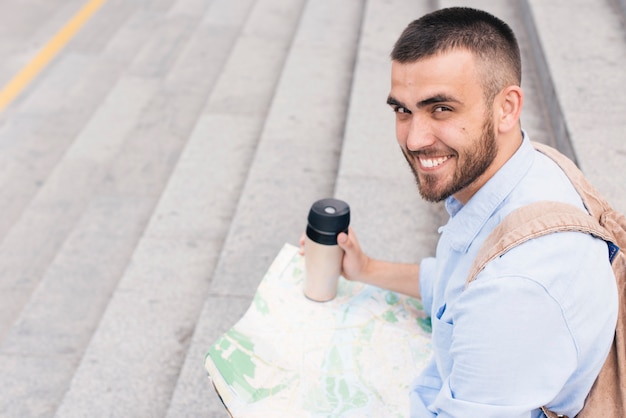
(427, 274)
(510, 349)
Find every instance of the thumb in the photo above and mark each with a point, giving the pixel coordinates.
(344, 240)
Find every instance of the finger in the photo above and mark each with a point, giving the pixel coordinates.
(302, 239)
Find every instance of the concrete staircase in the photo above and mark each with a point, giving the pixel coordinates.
(151, 173)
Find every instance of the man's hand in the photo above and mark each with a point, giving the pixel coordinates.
(355, 261)
(356, 265)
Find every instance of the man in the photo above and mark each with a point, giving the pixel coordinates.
(535, 327)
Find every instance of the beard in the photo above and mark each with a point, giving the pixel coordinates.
(472, 162)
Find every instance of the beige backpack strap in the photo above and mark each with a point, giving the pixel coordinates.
(532, 221)
(551, 414)
(598, 207)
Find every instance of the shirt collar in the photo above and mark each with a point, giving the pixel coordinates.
(466, 221)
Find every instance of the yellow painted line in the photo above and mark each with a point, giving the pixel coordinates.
(48, 52)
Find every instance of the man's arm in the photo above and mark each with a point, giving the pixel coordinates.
(510, 350)
(397, 277)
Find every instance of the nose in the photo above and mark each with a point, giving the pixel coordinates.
(419, 134)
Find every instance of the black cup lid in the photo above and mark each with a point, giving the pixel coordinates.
(329, 216)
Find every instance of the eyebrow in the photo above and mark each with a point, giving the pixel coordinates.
(393, 102)
(438, 98)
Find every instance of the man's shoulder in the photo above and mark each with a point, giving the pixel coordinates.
(544, 181)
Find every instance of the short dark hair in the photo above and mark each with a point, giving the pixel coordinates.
(490, 39)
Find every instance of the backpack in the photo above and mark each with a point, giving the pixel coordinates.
(607, 398)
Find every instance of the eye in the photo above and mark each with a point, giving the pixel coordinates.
(400, 109)
(439, 109)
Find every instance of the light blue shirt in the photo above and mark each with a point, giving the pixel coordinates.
(535, 326)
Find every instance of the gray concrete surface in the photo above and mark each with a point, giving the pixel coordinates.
(586, 72)
(152, 171)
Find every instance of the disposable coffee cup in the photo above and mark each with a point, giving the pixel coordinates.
(323, 257)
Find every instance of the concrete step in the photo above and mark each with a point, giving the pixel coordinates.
(39, 126)
(92, 209)
(45, 186)
(584, 43)
(185, 234)
(26, 27)
(295, 163)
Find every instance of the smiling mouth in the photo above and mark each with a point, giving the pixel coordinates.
(433, 162)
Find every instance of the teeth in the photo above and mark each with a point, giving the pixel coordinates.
(433, 162)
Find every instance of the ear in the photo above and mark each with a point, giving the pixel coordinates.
(509, 108)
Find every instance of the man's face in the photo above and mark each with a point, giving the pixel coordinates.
(443, 125)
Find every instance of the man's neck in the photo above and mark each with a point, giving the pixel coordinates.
(507, 147)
